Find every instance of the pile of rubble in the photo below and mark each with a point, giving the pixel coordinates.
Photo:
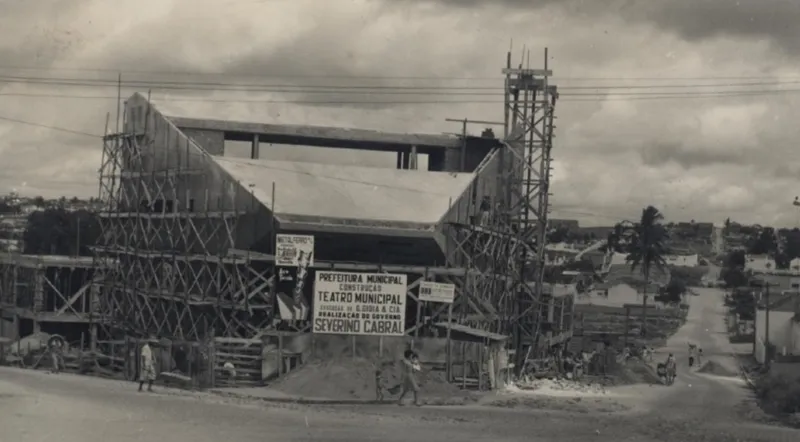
(558, 387)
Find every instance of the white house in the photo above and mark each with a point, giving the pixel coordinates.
(759, 263)
(683, 260)
(784, 326)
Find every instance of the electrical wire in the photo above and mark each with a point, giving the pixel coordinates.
(382, 89)
(124, 71)
(387, 102)
(45, 126)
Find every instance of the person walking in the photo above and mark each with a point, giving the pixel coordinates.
(147, 366)
(409, 378)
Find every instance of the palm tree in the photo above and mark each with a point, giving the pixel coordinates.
(647, 250)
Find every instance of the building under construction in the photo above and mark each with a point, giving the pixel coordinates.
(194, 230)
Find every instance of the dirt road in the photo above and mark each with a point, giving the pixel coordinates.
(36, 406)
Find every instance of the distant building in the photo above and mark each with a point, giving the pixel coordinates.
(682, 260)
(784, 326)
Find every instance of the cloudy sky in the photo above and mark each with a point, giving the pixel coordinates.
(684, 104)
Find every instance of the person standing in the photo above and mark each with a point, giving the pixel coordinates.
(409, 378)
(56, 356)
(147, 366)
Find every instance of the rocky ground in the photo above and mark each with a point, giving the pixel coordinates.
(709, 404)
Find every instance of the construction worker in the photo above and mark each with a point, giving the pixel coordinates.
(147, 366)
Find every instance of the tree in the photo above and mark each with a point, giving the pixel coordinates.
(742, 303)
(673, 293)
(647, 250)
(763, 242)
(6, 208)
(59, 232)
(733, 270)
(38, 201)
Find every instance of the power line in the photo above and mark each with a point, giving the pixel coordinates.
(377, 102)
(124, 71)
(333, 88)
(45, 126)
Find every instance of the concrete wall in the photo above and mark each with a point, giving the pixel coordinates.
(779, 283)
(212, 141)
(780, 330)
(212, 191)
(485, 184)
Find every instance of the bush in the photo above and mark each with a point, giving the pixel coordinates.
(690, 276)
(779, 392)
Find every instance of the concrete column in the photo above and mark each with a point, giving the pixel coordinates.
(412, 158)
(255, 148)
(399, 160)
(406, 159)
(38, 297)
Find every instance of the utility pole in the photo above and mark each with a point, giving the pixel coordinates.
(464, 123)
(766, 326)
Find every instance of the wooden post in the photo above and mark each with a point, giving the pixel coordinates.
(481, 356)
(419, 313)
(353, 345)
(380, 346)
(627, 322)
(464, 365)
(80, 354)
(448, 350)
(280, 354)
(212, 356)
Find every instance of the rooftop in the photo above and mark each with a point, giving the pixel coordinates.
(314, 194)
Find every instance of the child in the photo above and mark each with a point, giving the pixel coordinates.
(379, 383)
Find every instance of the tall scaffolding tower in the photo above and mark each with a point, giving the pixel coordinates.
(529, 116)
(171, 222)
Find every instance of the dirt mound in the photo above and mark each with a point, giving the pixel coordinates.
(350, 378)
(341, 368)
(634, 372)
(713, 368)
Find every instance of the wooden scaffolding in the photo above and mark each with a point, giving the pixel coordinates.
(170, 219)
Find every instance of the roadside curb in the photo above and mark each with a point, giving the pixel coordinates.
(297, 401)
(322, 401)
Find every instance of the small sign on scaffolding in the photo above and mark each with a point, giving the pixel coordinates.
(294, 250)
(437, 292)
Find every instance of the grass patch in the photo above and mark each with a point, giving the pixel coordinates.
(779, 394)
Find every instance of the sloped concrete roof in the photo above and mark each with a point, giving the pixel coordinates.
(349, 195)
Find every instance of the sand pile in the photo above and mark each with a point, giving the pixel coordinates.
(334, 372)
(713, 368)
(633, 372)
(349, 378)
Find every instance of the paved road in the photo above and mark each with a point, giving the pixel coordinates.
(714, 403)
(35, 406)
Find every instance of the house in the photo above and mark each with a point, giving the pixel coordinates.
(682, 260)
(759, 263)
(784, 326)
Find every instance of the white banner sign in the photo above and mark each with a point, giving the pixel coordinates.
(437, 292)
(294, 250)
(372, 304)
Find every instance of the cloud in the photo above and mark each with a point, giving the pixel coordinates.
(698, 146)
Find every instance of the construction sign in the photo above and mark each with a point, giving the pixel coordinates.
(437, 292)
(368, 304)
(294, 250)
(294, 255)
